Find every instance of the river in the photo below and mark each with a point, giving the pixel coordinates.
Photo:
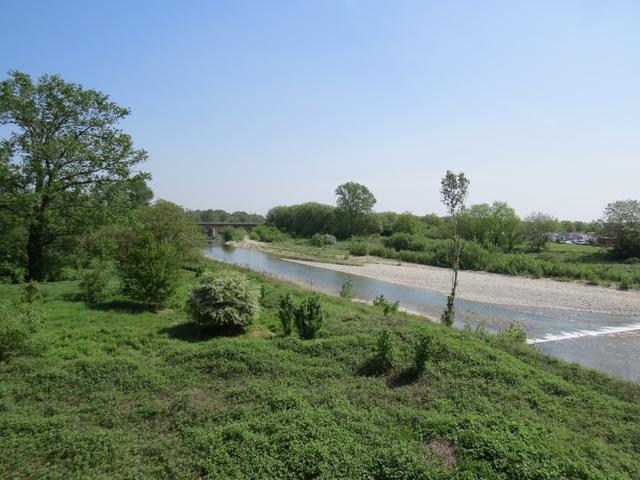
(610, 343)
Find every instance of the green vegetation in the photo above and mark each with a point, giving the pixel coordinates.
(121, 392)
(266, 233)
(309, 317)
(224, 217)
(453, 193)
(224, 301)
(231, 234)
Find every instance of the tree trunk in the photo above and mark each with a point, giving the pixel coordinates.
(35, 253)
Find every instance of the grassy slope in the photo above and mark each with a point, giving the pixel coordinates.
(121, 393)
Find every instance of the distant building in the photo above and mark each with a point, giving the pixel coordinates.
(577, 238)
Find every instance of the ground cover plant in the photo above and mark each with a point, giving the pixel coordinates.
(118, 391)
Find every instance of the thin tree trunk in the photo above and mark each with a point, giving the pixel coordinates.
(35, 253)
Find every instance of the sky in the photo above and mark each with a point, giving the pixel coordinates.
(244, 105)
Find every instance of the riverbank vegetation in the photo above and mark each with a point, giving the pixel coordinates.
(493, 239)
(115, 390)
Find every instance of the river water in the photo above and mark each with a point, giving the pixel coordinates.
(610, 343)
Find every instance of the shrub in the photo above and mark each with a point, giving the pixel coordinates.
(286, 313)
(513, 333)
(625, 283)
(322, 239)
(406, 241)
(266, 233)
(31, 292)
(346, 291)
(230, 234)
(359, 248)
(200, 270)
(149, 271)
(227, 301)
(99, 282)
(423, 349)
(17, 325)
(387, 306)
(383, 357)
(309, 316)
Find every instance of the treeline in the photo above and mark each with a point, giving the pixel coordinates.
(222, 216)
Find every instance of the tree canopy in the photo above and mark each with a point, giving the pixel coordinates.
(355, 202)
(64, 163)
(622, 222)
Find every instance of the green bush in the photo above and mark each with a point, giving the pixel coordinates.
(31, 292)
(387, 306)
(309, 317)
(384, 353)
(18, 323)
(359, 248)
(266, 233)
(423, 349)
(286, 313)
(406, 241)
(99, 283)
(513, 333)
(230, 234)
(149, 271)
(322, 239)
(227, 301)
(346, 291)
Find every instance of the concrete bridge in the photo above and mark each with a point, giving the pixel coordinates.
(211, 228)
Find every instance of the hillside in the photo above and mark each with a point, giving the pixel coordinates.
(119, 392)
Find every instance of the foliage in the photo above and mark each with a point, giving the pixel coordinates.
(18, 323)
(115, 387)
(537, 226)
(355, 202)
(303, 220)
(99, 282)
(170, 225)
(495, 225)
(426, 348)
(66, 168)
(309, 317)
(149, 270)
(211, 215)
(286, 313)
(386, 305)
(266, 233)
(407, 223)
(346, 290)
(323, 239)
(359, 248)
(453, 193)
(384, 353)
(622, 222)
(406, 241)
(231, 234)
(227, 301)
(31, 292)
(513, 333)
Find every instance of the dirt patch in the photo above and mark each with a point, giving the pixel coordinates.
(444, 450)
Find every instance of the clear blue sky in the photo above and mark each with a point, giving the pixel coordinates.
(245, 105)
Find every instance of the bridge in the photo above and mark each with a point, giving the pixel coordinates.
(210, 228)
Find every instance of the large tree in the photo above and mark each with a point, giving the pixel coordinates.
(622, 222)
(355, 202)
(64, 157)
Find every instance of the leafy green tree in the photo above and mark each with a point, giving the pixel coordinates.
(537, 226)
(354, 203)
(149, 270)
(169, 224)
(407, 223)
(495, 225)
(454, 189)
(59, 162)
(622, 222)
